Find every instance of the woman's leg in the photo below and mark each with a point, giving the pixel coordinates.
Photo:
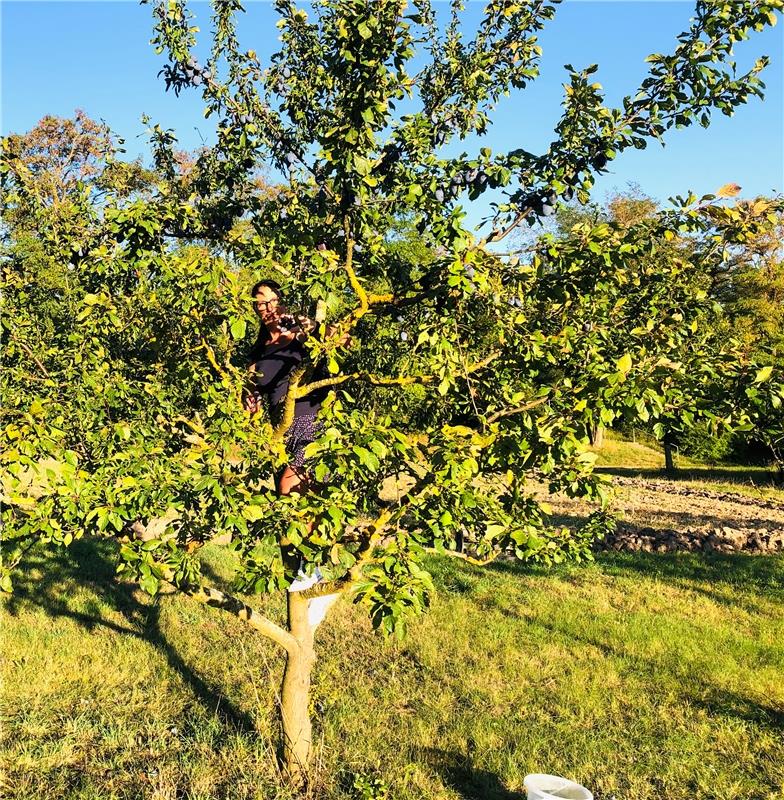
(295, 479)
(291, 480)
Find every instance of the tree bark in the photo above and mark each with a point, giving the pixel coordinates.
(669, 461)
(597, 437)
(295, 692)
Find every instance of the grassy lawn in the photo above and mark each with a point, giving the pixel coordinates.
(644, 459)
(642, 676)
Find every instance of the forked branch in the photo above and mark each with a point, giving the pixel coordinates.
(381, 380)
(226, 602)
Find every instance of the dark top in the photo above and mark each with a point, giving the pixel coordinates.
(271, 377)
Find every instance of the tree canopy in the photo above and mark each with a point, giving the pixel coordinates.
(124, 397)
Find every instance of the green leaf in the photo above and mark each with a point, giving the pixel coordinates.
(238, 329)
(624, 363)
(764, 374)
(369, 459)
(149, 584)
(252, 513)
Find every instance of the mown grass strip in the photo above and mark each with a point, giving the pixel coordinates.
(642, 676)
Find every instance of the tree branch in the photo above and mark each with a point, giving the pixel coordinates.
(32, 355)
(358, 288)
(344, 327)
(377, 380)
(517, 410)
(497, 235)
(292, 395)
(479, 562)
(403, 380)
(217, 599)
(375, 538)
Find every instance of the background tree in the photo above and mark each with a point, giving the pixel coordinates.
(751, 288)
(731, 255)
(137, 430)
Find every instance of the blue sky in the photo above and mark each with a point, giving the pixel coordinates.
(58, 56)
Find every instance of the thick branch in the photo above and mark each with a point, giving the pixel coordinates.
(378, 380)
(344, 327)
(288, 404)
(348, 266)
(217, 599)
(507, 412)
(340, 330)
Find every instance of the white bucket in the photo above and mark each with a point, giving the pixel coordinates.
(553, 787)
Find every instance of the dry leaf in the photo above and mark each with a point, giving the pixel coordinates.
(728, 190)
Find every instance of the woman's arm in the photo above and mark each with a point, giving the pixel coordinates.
(250, 395)
(290, 327)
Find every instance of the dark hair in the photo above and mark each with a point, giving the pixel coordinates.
(274, 285)
(257, 350)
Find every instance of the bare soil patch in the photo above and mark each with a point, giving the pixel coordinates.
(661, 516)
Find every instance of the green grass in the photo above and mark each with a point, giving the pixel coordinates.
(642, 676)
(646, 459)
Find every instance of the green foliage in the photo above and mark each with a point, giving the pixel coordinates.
(702, 443)
(125, 399)
(369, 787)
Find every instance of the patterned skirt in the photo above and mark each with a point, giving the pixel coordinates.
(304, 430)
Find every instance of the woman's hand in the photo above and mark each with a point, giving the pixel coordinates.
(251, 399)
(252, 402)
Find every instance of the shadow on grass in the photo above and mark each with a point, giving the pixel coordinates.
(458, 772)
(696, 693)
(763, 574)
(48, 574)
(723, 703)
(691, 690)
(707, 575)
(759, 477)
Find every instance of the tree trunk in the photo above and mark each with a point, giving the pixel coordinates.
(295, 693)
(669, 462)
(597, 437)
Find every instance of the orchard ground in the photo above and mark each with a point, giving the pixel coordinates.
(700, 507)
(642, 675)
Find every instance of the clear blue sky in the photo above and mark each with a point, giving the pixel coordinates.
(58, 56)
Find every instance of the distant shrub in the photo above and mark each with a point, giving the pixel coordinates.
(702, 444)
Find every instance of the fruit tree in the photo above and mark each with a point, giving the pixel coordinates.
(125, 414)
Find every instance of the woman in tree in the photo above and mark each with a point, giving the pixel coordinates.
(278, 351)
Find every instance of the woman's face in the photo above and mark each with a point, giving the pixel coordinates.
(267, 304)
